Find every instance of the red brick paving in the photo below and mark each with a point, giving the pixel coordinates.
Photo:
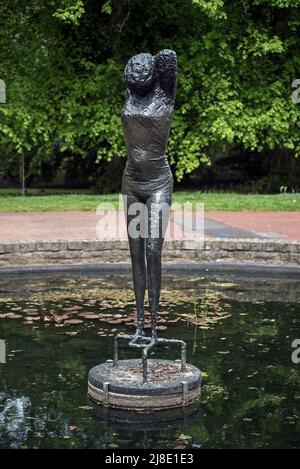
(82, 225)
(285, 224)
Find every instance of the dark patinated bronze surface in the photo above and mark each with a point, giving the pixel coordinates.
(147, 384)
(147, 181)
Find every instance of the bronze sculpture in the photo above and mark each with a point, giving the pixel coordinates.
(148, 384)
(147, 181)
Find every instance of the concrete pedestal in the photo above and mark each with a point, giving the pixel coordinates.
(121, 385)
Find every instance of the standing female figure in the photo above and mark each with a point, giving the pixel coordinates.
(147, 181)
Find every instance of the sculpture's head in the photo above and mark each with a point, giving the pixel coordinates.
(140, 74)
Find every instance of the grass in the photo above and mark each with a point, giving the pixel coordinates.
(54, 200)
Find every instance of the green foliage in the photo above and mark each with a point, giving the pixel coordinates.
(213, 8)
(107, 7)
(63, 64)
(71, 13)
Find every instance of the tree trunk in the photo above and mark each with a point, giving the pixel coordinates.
(22, 175)
(292, 172)
(274, 168)
(113, 23)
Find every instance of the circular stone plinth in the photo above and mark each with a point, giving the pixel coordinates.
(122, 387)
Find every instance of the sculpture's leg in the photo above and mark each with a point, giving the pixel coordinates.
(158, 217)
(137, 252)
(154, 279)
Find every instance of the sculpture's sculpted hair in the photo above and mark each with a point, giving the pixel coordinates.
(141, 74)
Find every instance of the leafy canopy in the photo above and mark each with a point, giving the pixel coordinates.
(63, 65)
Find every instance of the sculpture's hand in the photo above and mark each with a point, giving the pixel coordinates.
(166, 65)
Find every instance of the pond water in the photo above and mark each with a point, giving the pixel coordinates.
(239, 333)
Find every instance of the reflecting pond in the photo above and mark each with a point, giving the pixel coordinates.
(239, 333)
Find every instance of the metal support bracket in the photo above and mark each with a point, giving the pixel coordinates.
(145, 344)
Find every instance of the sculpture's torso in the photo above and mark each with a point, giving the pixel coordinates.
(146, 124)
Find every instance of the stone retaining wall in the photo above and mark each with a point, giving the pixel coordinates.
(116, 251)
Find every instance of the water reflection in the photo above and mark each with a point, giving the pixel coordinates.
(173, 418)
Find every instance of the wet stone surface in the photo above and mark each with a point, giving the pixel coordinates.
(160, 373)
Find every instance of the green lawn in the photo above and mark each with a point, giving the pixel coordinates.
(82, 200)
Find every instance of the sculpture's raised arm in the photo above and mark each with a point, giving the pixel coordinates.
(166, 63)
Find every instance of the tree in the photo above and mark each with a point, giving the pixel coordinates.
(63, 64)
